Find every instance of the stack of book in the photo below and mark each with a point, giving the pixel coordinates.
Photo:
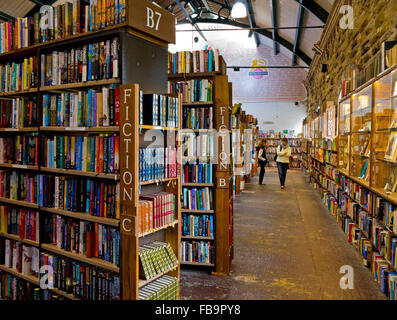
(18, 113)
(19, 186)
(90, 239)
(196, 61)
(197, 251)
(19, 76)
(155, 211)
(97, 61)
(158, 163)
(163, 288)
(14, 288)
(91, 108)
(159, 110)
(64, 20)
(21, 222)
(19, 149)
(193, 90)
(198, 226)
(197, 198)
(197, 173)
(198, 118)
(156, 258)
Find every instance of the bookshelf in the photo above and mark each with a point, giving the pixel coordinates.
(205, 108)
(139, 51)
(364, 202)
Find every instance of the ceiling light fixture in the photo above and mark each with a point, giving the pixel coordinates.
(239, 10)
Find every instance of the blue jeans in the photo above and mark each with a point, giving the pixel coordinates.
(282, 172)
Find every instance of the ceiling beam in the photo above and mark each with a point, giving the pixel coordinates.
(298, 32)
(314, 8)
(266, 33)
(274, 13)
(189, 18)
(38, 3)
(251, 19)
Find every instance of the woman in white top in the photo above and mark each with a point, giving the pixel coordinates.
(283, 155)
(262, 159)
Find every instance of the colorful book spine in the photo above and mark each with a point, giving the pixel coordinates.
(19, 186)
(20, 222)
(197, 251)
(198, 226)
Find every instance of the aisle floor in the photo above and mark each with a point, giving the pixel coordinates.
(287, 246)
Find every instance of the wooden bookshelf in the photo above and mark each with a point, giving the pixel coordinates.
(149, 47)
(201, 264)
(18, 166)
(221, 179)
(197, 238)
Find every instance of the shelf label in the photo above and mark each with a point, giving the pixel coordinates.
(222, 180)
(127, 225)
(223, 146)
(152, 19)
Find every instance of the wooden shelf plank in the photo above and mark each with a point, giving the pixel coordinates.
(81, 129)
(83, 216)
(26, 129)
(15, 273)
(194, 75)
(110, 176)
(18, 166)
(76, 256)
(19, 203)
(198, 238)
(76, 85)
(64, 294)
(197, 264)
(170, 225)
(193, 184)
(145, 282)
(197, 103)
(149, 127)
(145, 183)
(16, 93)
(18, 238)
(198, 211)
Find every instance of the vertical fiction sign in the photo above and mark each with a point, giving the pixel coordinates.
(129, 99)
(223, 147)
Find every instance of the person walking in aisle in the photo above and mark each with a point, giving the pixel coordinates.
(283, 155)
(262, 159)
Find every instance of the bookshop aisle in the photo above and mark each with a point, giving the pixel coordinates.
(287, 246)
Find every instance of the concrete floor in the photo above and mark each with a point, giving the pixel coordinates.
(287, 246)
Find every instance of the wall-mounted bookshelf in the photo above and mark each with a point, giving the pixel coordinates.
(358, 184)
(74, 134)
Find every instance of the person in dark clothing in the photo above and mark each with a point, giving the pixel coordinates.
(262, 160)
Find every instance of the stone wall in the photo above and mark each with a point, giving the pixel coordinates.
(375, 21)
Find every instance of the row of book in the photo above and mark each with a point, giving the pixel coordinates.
(163, 288)
(17, 76)
(80, 280)
(20, 257)
(198, 226)
(15, 288)
(18, 112)
(91, 108)
(197, 251)
(158, 163)
(192, 62)
(92, 197)
(156, 258)
(193, 90)
(87, 238)
(198, 118)
(201, 145)
(197, 198)
(155, 211)
(19, 149)
(158, 110)
(19, 186)
(96, 61)
(20, 222)
(98, 153)
(197, 173)
(64, 20)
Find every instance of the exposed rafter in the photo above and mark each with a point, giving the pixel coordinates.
(189, 19)
(274, 13)
(266, 33)
(251, 19)
(299, 24)
(314, 8)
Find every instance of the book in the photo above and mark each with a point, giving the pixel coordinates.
(21, 222)
(193, 90)
(155, 211)
(197, 251)
(197, 198)
(198, 226)
(18, 149)
(164, 288)
(196, 61)
(197, 118)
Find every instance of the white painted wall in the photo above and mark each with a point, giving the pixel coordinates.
(285, 115)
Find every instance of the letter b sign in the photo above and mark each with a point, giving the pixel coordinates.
(152, 18)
